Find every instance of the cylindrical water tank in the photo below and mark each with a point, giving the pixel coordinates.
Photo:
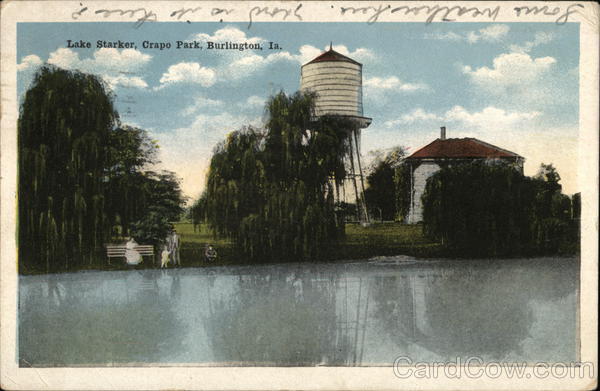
(337, 81)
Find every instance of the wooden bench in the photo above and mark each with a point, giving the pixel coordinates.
(118, 250)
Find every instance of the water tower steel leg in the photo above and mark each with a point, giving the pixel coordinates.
(362, 181)
(353, 174)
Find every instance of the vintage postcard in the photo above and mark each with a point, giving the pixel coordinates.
(299, 195)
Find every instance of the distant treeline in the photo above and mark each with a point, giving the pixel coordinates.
(84, 178)
(484, 209)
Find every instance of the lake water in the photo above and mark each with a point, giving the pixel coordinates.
(353, 313)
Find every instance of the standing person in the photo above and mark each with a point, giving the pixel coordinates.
(173, 242)
(132, 256)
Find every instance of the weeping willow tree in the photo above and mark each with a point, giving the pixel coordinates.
(63, 128)
(197, 212)
(272, 191)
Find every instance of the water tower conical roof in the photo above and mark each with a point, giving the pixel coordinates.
(332, 55)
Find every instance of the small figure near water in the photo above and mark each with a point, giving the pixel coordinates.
(132, 256)
(173, 247)
(164, 257)
(210, 254)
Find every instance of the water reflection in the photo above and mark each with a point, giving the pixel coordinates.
(279, 319)
(83, 321)
(303, 315)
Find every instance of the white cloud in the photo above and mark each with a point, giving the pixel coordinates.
(126, 81)
(492, 33)
(255, 101)
(104, 61)
(251, 63)
(112, 65)
(227, 34)
(65, 58)
(360, 54)
(201, 102)
(488, 118)
(109, 59)
(308, 52)
(29, 62)
(391, 83)
(235, 64)
(540, 38)
(244, 66)
(510, 69)
(189, 72)
(417, 115)
(449, 36)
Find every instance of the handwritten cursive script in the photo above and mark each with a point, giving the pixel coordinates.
(273, 12)
(372, 12)
(146, 15)
(550, 11)
(444, 13)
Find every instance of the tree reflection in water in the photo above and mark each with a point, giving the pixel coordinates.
(476, 309)
(281, 318)
(67, 325)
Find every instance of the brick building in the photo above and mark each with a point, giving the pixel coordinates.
(428, 160)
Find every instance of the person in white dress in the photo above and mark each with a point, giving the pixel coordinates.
(132, 256)
(164, 256)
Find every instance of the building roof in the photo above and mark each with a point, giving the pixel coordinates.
(461, 148)
(332, 55)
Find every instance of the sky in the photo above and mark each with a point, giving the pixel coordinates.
(514, 85)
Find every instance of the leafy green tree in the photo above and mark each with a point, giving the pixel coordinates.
(161, 200)
(381, 191)
(140, 202)
(131, 153)
(402, 186)
(64, 124)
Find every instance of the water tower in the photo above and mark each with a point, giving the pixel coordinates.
(337, 81)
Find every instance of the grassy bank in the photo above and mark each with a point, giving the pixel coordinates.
(379, 239)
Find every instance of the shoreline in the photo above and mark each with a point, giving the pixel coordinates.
(361, 245)
(376, 261)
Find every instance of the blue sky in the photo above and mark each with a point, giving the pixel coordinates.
(514, 85)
